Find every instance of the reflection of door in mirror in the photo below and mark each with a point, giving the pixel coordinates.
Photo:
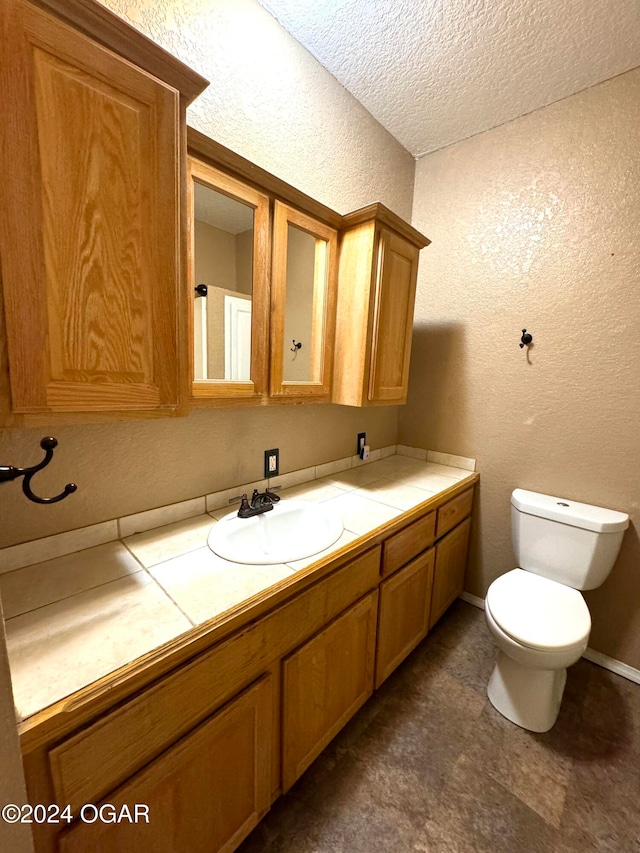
(237, 338)
(229, 281)
(223, 261)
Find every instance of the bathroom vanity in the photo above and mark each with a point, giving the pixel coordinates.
(211, 727)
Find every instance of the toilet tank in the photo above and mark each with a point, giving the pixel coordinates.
(573, 543)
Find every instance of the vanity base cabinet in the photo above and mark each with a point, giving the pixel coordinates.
(218, 732)
(450, 566)
(191, 803)
(325, 682)
(403, 618)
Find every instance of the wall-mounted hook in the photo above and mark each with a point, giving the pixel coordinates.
(526, 339)
(9, 472)
(296, 346)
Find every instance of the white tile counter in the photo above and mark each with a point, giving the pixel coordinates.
(76, 618)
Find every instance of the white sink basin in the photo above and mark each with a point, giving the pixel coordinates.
(290, 531)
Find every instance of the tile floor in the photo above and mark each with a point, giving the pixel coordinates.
(429, 766)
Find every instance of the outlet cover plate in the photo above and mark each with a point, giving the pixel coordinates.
(362, 440)
(271, 463)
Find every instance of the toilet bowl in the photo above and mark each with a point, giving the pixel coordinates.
(536, 614)
(551, 624)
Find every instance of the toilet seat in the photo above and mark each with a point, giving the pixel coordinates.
(537, 612)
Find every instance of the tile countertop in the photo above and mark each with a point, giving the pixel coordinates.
(77, 618)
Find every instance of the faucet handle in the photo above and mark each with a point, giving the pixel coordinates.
(238, 499)
(269, 492)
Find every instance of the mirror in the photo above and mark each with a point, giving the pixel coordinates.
(223, 273)
(304, 306)
(229, 284)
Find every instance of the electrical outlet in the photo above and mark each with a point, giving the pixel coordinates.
(362, 440)
(271, 463)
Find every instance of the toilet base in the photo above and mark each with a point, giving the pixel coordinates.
(528, 697)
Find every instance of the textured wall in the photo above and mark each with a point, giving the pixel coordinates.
(270, 101)
(535, 224)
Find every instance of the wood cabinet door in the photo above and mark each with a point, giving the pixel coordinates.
(405, 601)
(89, 238)
(451, 564)
(325, 681)
(204, 795)
(396, 276)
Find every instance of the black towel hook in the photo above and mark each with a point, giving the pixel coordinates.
(526, 339)
(9, 472)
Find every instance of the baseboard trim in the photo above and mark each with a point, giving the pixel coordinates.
(473, 599)
(613, 665)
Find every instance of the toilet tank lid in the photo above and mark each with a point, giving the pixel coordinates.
(570, 512)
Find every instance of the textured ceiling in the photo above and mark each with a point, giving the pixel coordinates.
(439, 71)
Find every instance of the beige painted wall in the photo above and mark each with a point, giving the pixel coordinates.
(535, 224)
(270, 101)
(214, 259)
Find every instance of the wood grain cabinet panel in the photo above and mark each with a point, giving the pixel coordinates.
(376, 294)
(403, 546)
(451, 564)
(205, 794)
(90, 255)
(324, 683)
(397, 273)
(403, 618)
(453, 512)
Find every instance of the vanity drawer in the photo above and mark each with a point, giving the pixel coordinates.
(407, 544)
(453, 512)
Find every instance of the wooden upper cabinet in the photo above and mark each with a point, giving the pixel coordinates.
(303, 291)
(91, 167)
(376, 294)
(229, 253)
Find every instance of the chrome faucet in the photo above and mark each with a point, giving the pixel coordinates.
(260, 502)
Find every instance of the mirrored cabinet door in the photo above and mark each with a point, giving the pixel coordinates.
(302, 304)
(229, 284)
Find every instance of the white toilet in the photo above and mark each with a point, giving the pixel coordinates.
(538, 618)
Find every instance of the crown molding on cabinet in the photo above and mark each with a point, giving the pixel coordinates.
(102, 25)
